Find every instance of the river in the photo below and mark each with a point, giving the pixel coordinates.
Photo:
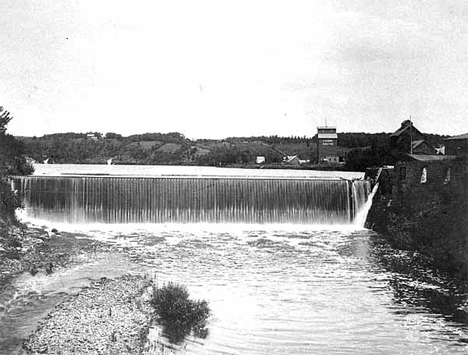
(272, 288)
(285, 290)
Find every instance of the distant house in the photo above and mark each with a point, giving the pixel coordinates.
(331, 159)
(457, 145)
(408, 139)
(91, 136)
(260, 160)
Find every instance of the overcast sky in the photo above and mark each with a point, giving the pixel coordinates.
(233, 68)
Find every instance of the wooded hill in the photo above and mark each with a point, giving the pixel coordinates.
(175, 149)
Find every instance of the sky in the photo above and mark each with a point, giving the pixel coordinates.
(223, 68)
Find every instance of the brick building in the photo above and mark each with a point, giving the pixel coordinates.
(416, 172)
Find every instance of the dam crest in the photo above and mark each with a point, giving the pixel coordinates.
(220, 196)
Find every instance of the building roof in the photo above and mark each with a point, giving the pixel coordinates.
(327, 136)
(290, 159)
(461, 136)
(405, 126)
(421, 157)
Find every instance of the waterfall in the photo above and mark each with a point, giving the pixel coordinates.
(189, 199)
(360, 192)
(361, 216)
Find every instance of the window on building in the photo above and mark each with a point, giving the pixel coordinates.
(424, 175)
(402, 175)
(447, 177)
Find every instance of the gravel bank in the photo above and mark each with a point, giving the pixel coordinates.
(109, 317)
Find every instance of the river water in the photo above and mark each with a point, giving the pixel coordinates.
(272, 289)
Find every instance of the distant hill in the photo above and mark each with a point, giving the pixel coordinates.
(175, 149)
(161, 148)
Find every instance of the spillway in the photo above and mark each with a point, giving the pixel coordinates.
(191, 199)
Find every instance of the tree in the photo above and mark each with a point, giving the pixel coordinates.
(111, 135)
(361, 158)
(12, 162)
(4, 119)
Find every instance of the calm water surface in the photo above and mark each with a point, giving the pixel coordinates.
(285, 290)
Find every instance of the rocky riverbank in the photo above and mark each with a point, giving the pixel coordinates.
(435, 224)
(109, 317)
(37, 250)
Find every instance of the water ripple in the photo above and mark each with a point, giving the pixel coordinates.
(303, 291)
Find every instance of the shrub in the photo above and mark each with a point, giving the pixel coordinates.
(179, 314)
(9, 202)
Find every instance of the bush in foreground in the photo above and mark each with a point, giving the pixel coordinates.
(179, 314)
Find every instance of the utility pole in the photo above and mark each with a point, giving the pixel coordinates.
(411, 134)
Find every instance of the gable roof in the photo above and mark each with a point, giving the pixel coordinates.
(405, 126)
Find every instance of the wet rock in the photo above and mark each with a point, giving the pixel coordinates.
(44, 237)
(33, 270)
(49, 268)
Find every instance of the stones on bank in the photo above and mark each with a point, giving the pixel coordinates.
(109, 317)
(37, 250)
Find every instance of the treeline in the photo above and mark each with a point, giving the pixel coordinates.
(359, 140)
(345, 139)
(271, 139)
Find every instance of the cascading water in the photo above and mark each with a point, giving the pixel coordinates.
(361, 216)
(186, 199)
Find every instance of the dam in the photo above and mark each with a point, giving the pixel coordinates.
(122, 194)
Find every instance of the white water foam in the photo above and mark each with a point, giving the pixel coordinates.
(361, 216)
(180, 227)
